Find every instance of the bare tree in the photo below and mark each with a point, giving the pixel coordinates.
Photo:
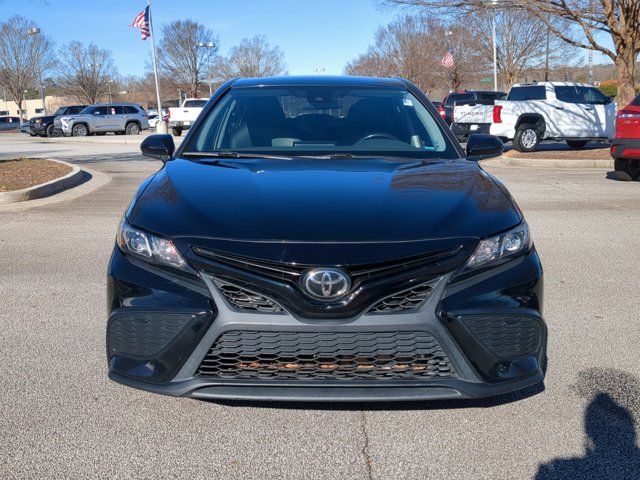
(598, 21)
(412, 47)
(22, 56)
(523, 42)
(254, 57)
(180, 59)
(85, 71)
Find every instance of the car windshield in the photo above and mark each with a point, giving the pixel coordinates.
(322, 121)
(194, 103)
(88, 110)
(60, 111)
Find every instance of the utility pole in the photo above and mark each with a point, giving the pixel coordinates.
(495, 47)
(546, 60)
(34, 32)
(590, 80)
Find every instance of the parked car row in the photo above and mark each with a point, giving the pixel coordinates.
(83, 120)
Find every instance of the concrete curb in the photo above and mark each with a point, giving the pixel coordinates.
(101, 140)
(557, 164)
(71, 179)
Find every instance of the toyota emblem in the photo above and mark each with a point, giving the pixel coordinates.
(326, 283)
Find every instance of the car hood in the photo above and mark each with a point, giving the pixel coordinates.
(42, 118)
(323, 201)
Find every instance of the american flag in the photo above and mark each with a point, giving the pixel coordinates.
(142, 22)
(447, 60)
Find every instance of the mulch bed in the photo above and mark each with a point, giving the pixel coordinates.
(594, 153)
(27, 172)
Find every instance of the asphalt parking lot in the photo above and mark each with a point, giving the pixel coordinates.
(60, 417)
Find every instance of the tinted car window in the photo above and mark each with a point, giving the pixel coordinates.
(115, 110)
(94, 111)
(458, 99)
(636, 101)
(74, 110)
(194, 103)
(317, 121)
(527, 93)
(591, 95)
(567, 94)
(130, 110)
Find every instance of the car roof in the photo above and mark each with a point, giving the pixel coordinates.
(115, 104)
(552, 84)
(319, 80)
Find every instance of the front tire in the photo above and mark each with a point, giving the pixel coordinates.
(79, 130)
(527, 138)
(176, 131)
(630, 167)
(577, 143)
(49, 131)
(132, 129)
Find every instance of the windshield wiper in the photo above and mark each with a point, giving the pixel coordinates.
(232, 155)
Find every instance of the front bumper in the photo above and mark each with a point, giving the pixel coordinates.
(148, 350)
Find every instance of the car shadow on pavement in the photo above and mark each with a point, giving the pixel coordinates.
(392, 405)
(610, 421)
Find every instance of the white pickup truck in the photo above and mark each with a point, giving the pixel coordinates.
(181, 118)
(558, 111)
(476, 115)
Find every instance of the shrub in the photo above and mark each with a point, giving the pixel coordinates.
(609, 88)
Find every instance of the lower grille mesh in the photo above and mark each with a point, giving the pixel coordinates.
(326, 356)
(247, 300)
(403, 301)
(506, 336)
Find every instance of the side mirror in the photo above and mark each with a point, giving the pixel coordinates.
(480, 145)
(160, 147)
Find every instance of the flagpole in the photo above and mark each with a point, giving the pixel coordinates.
(161, 127)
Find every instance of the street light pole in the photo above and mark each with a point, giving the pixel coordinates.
(495, 47)
(209, 46)
(34, 32)
(447, 37)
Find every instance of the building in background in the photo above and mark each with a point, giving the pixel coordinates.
(33, 107)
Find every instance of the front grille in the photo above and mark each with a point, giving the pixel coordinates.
(405, 301)
(506, 336)
(326, 356)
(293, 271)
(247, 300)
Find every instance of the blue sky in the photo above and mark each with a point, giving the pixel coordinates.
(312, 33)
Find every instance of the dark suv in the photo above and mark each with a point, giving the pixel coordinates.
(43, 126)
(324, 238)
(479, 97)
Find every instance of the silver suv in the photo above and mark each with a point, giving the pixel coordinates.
(120, 118)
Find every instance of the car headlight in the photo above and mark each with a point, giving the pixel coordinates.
(65, 120)
(148, 247)
(505, 245)
(38, 120)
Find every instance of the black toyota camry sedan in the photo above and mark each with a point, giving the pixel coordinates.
(324, 238)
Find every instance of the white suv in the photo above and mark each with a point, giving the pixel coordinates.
(560, 111)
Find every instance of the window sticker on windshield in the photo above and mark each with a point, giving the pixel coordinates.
(407, 102)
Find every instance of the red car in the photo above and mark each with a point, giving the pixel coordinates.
(625, 148)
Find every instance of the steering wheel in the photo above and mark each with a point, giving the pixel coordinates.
(372, 136)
